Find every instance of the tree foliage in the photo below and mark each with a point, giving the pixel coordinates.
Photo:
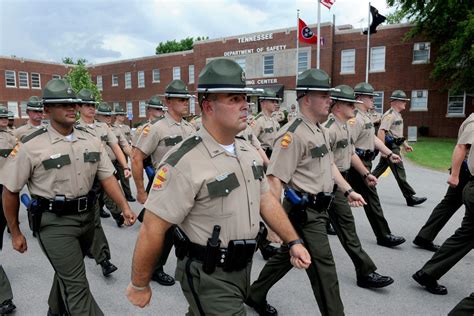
(175, 46)
(70, 61)
(449, 25)
(80, 78)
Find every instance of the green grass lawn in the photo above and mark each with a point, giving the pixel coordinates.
(434, 153)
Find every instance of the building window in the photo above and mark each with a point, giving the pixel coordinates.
(23, 79)
(141, 79)
(141, 109)
(100, 87)
(10, 79)
(268, 65)
(241, 62)
(23, 105)
(377, 59)
(56, 77)
(156, 75)
(35, 81)
(456, 105)
(116, 105)
(421, 53)
(191, 73)
(176, 73)
(302, 61)
(128, 80)
(114, 80)
(419, 100)
(348, 61)
(378, 102)
(192, 106)
(129, 109)
(13, 107)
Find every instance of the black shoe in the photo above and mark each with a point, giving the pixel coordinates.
(374, 280)
(426, 244)
(50, 313)
(130, 199)
(119, 220)
(107, 267)
(163, 278)
(103, 213)
(264, 309)
(429, 283)
(390, 240)
(413, 200)
(330, 230)
(267, 251)
(7, 307)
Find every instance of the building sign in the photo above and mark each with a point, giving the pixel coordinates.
(255, 38)
(261, 81)
(254, 50)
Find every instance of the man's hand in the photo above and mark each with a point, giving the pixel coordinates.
(453, 181)
(355, 199)
(395, 158)
(140, 298)
(408, 148)
(371, 180)
(127, 173)
(19, 243)
(142, 196)
(129, 217)
(300, 257)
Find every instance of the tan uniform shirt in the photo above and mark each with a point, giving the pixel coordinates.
(103, 133)
(7, 143)
(292, 116)
(122, 141)
(26, 129)
(125, 129)
(158, 139)
(51, 165)
(392, 122)
(266, 129)
(362, 131)
(209, 186)
(138, 131)
(341, 142)
(375, 117)
(466, 137)
(303, 159)
(249, 136)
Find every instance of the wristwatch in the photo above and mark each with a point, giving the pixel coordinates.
(295, 242)
(346, 194)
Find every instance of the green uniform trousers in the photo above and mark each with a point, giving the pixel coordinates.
(373, 209)
(218, 293)
(398, 171)
(459, 244)
(124, 182)
(441, 214)
(5, 287)
(321, 273)
(342, 220)
(100, 246)
(65, 240)
(464, 308)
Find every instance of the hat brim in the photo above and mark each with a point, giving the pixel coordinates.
(32, 108)
(346, 100)
(3, 116)
(177, 95)
(88, 102)
(401, 99)
(50, 101)
(366, 93)
(269, 98)
(226, 90)
(120, 113)
(104, 113)
(317, 89)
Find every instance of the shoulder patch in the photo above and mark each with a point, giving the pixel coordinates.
(33, 135)
(185, 147)
(160, 178)
(294, 125)
(286, 140)
(14, 151)
(146, 130)
(388, 117)
(329, 122)
(351, 121)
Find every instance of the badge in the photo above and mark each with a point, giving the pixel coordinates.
(351, 121)
(388, 117)
(160, 178)
(286, 140)
(14, 151)
(55, 156)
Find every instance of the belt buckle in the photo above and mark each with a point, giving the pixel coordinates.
(82, 204)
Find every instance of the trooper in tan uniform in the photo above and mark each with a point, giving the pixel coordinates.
(302, 162)
(376, 118)
(219, 192)
(293, 113)
(161, 136)
(391, 132)
(462, 241)
(59, 163)
(7, 143)
(119, 117)
(340, 213)
(34, 109)
(367, 146)
(265, 126)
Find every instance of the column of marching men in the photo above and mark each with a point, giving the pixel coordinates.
(220, 187)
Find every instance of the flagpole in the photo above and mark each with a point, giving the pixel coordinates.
(297, 40)
(368, 48)
(318, 47)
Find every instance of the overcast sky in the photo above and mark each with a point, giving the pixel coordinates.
(108, 30)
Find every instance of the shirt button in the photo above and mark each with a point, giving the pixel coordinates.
(78, 173)
(226, 190)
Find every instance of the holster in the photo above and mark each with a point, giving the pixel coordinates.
(239, 254)
(181, 243)
(35, 213)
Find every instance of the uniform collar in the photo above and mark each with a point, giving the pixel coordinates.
(312, 126)
(89, 125)
(213, 147)
(171, 120)
(55, 136)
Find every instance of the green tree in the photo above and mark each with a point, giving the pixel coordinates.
(449, 25)
(175, 46)
(80, 78)
(70, 61)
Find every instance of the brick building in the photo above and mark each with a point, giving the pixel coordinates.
(269, 59)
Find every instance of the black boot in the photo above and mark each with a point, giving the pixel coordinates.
(107, 267)
(7, 307)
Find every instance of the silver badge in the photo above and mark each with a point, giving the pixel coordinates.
(69, 91)
(55, 156)
(222, 176)
(242, 76)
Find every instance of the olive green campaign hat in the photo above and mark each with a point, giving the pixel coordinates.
(222, 76)
(177, 89)
(156, 103)
(11, 116)
(3, 112)
(104, 109)
(86, 96)
(59, 91)
(365, 89)
(314, 80)
(34, 104)
(269, 94)
(345, 94)
(399, 95)
(119, 110)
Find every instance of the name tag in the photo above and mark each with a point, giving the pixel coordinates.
(342, 143)
(318, 152)
(5, 152)
(104, 138)
(91, 156)
(223, 185)
(398, 123)
(368, 125)
(268, 130)
(56, 162)
(171, 141)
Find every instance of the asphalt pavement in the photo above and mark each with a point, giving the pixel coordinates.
(31, 275)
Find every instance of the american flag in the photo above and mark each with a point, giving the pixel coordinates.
(327, 3)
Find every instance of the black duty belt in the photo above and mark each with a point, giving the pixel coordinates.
(366, 154)
(62, 206)
(198, 253)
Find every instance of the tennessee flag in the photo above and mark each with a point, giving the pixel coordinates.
(305, 34)
(328, 3)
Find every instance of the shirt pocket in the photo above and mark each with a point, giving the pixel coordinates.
(57, 164)
(221, 195)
